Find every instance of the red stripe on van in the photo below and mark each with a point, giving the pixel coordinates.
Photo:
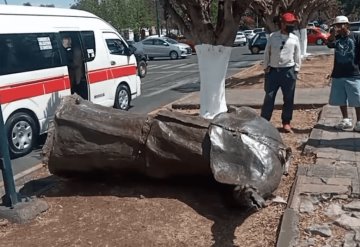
(21, 92)
(123, 71)
(35, 88)
(97, 76)
(111, 73)
(55, 85)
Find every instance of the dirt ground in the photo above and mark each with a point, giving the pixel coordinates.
(136, 211)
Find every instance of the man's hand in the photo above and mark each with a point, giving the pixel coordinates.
(333, 33)
(267, 70)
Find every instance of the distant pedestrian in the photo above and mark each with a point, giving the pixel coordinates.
(345, 85)
(281, 64)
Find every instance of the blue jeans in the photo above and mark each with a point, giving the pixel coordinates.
(284, 78)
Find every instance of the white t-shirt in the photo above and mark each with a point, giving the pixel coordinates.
(282, 51)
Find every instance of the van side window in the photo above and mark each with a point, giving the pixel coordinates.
(88, 40)
(28, 52)
(115, 46)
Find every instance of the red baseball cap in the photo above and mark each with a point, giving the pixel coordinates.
(288, 17)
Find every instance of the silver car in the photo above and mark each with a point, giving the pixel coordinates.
(163, 47)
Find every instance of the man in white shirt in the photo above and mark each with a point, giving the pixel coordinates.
(282, 62)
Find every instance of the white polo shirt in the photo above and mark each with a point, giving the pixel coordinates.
(282, 51)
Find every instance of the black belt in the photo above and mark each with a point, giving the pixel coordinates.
(278, 69)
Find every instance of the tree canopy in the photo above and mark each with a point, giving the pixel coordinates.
(122, 14)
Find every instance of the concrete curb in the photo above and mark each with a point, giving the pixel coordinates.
(195, 106)
(288, 234)
(22, 177)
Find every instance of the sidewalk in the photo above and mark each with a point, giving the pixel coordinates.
(327, 191)
(304, 97)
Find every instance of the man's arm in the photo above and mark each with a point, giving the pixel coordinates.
(297, 55)
(267, 53)
(332, 38)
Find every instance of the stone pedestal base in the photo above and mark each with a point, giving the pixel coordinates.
(23, 211)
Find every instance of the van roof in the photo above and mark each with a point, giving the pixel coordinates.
(45, 11)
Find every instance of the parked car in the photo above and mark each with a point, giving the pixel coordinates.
(163, 47)
(259, 29)
(355, 26)
(258, 43)
(240, 39)
(141, 60)
(249, 34)
(317, 36)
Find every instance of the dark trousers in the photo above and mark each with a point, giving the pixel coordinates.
(284, 78)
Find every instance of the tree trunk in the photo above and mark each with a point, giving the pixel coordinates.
(213, 62)
(302, 35)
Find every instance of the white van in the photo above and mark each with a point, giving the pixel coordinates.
(36, 69)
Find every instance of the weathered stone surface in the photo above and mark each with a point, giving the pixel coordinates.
(323, 171)
(325, 161)
(355, 187)
(355, 214)
(306, 206)
(321, 189)
(321, 230)
(346, 171)
(334, 211)
(338, 181)
(349, 240)
(24, 211)
(348, 222)
(354, 205)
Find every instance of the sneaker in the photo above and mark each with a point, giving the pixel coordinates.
(357, 126)
(287, 128)
(344, 124)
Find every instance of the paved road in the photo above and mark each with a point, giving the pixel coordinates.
(167, 81)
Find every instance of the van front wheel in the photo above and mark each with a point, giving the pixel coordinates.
(22, 133)
(122, 98)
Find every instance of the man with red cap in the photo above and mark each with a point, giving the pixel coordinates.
(282, 62)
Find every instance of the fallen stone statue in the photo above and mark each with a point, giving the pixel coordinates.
(237, 148)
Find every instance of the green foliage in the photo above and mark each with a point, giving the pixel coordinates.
(122, 14)
(350, 7)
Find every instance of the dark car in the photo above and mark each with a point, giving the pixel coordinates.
(355, 26)
(258, 43)
(141, 60)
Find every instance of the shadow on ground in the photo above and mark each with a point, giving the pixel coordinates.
(207, 197)
(234, 82)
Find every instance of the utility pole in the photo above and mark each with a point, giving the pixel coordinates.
(157, 17)
(11, 197)
(14, 207)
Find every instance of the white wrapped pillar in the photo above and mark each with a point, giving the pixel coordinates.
(302, 35)
(213, 63)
